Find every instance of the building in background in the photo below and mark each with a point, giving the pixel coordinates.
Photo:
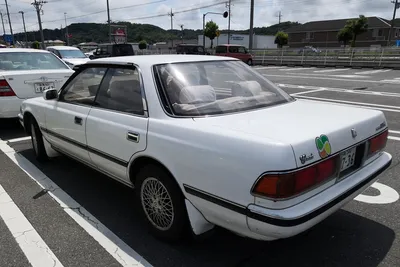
(259, 41)
(322, 34)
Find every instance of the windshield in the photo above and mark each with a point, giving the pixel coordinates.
(71, 54)
(30, 61)
(216, 87)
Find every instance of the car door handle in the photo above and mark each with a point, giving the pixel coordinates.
(133, 137)
(78, 120)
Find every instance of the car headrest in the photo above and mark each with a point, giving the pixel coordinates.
(246, 88)
(124, 89)
(197, 94)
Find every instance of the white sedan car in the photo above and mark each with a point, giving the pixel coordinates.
(209, 141)
(26, 73)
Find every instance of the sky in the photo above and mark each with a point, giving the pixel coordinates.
(189, 12)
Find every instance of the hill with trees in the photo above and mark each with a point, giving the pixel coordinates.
(97, 32)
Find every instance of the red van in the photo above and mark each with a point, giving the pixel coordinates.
(235, 51)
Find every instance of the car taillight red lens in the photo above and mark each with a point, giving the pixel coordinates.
(5, 89)
(378, 143)
(290, 184)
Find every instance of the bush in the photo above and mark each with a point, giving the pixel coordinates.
(142, 45)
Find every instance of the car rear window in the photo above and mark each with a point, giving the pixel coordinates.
(215, 87)
(10, 61)
(220, 49)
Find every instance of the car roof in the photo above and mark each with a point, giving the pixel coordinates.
(150, 60)
(26, 50)
(62, 47)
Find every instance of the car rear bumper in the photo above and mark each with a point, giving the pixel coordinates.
(9, 106)
(275, 224)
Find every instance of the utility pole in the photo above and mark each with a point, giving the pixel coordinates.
(38, 4)
(251, 32)
(229, 21)
(280, 16)
(9, 22)
(66, 28)
(172, 26)
(23, 21)
(109, 22)
(396, 6)
(2, 21)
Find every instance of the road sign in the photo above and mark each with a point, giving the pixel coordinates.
(218, 33)
(7, 38)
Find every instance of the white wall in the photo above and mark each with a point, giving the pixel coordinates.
(259, 41)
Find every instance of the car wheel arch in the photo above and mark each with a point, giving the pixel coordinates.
(138, 163)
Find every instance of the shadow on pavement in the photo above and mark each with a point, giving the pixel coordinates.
(10, 128)
(344, 239)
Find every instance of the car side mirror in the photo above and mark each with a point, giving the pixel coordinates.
(50, 94)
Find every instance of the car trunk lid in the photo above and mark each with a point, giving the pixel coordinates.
(31, 83)
(315, 130)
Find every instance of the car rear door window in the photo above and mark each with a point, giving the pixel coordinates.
(82, 89)
(121, 91)
(220, 49)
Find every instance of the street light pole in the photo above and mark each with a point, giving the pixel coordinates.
(23, 21)
(9, 22)
(66, 28)
(225, 14)
(2, 22)
(109, 21)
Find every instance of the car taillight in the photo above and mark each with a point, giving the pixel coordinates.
(5, 89)
(278, 186)
(378, 143)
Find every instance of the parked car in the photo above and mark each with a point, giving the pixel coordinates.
(90, 54)
(26, 73)
(209, 141)
(191, 49)
(113, 50)
(71, 55)
(235, 51)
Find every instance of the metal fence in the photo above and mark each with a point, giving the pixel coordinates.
(387, 57)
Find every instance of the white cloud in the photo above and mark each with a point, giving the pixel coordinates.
(265, 12)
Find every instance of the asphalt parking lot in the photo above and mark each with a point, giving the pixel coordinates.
(87, 219)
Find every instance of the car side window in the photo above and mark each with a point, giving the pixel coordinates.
(233, 49)
(121, 91)
(83, 88)
(242, 50)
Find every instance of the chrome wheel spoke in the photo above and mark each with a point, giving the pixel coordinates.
(157, 203)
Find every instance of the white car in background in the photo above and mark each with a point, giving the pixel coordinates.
(26, 73)
(208, 141)
(71, 55)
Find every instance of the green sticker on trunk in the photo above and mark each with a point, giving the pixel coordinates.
(323, 146)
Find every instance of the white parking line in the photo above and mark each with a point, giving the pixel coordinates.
(298, 69)
(272, 67)
(308, 92)
(394, 138)
(350, 103)
(308, 76)
(395, 132)
(117, 248)
(330, 70)
(19, 139)
(32, 245)
(372, 72)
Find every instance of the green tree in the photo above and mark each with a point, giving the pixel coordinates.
(357, 27)
(281, 38)
(35, 45)
(142, 45)
(211, 30)
(345, 35)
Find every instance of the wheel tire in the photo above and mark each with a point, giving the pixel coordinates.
(171, 229)
(250, 62)
(37, 142)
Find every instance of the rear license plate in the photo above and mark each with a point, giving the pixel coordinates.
(348, 159)
(40, 87)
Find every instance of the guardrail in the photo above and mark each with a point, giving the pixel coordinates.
(334, 57)
(357, 57)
